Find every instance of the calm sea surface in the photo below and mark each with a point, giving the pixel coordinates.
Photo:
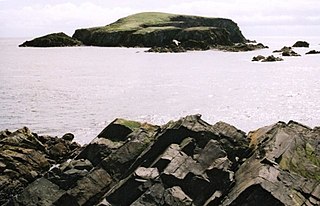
(80, 90)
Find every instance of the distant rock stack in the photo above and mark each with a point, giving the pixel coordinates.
(184, 162)
(52, 40)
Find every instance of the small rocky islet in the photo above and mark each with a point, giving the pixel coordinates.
(184, 162)
(52, 40)
(162, 32)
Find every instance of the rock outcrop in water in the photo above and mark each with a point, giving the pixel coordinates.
(52, 40)
(313, 52)
(270, 58)
(162, 32)
(185, 162)
(151, 29)
(287, 51)
(301, 44)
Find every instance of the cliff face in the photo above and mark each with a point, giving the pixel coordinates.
(52, 40)
(185, 162)
(159, 29)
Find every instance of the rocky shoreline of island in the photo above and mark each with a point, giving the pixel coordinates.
(184, 162)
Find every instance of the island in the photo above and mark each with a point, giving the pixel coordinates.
(163, 32)
(184, 162)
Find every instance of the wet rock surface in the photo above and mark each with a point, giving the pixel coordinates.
(184, 162)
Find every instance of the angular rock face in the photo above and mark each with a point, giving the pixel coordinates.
(152, 29)
(25, 156)
(185, 162)
(283, 170)
(52, 40)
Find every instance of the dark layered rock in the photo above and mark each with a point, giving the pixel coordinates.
(52, 40)
(283, 170)
(313, 52)
(184, 162)
(25, 156)
(301, 44)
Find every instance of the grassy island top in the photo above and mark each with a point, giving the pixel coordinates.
(149, 21)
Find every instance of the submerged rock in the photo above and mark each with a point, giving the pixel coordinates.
(184, 162)
(313, 52)
(52, 40)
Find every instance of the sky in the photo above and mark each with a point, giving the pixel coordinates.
(31, 18)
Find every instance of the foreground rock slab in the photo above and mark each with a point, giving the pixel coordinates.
(184, 162)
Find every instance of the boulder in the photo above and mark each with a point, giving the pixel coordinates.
(301, 44)
(52, 40)
(68, 137)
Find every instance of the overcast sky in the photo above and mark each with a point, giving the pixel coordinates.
(30, 18)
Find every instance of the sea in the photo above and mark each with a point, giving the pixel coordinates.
(81, 90)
